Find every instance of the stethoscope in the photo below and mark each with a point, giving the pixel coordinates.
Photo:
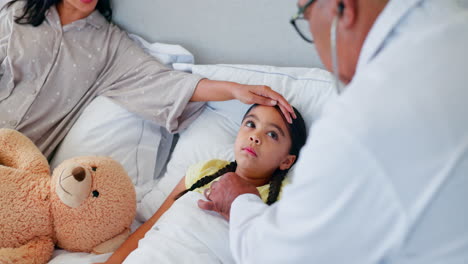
(338, 84)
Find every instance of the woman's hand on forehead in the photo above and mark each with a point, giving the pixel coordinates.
(264, 95)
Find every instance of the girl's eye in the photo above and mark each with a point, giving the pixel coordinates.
(273, 135)
(250, 124)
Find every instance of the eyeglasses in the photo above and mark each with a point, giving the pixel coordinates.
(301, 24)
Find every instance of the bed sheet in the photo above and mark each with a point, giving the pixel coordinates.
(65, 257)
(185, 234)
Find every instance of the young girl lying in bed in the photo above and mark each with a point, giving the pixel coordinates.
(265, 149)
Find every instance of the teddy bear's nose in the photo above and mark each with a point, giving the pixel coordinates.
(79, 174)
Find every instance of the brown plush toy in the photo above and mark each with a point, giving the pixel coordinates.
(87, 205)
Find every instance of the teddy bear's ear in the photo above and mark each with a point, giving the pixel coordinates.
(112, 244)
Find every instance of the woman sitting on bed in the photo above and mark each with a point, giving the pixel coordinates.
(265, 149)
(56, 56)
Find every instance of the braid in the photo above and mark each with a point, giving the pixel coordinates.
(209, 178)
(275, 185)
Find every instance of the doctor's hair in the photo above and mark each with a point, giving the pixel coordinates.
(34, 11)
(298, 133)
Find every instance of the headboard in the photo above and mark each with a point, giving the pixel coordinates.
(221, 31)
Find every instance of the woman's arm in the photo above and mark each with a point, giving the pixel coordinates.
(132, 242)
(209, 90)
(5, 30)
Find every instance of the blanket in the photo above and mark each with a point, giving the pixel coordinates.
(185, 234)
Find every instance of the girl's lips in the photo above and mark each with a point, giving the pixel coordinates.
(87, 1)
(250, 150)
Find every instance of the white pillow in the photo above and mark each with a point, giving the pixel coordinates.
(210, 136)
(213, 133)
(307, 89)
(107, 129)
(167, 54)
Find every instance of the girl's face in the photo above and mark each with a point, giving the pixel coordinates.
(263, 143)
(82, 7)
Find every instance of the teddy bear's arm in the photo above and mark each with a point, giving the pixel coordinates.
(113, 244)
(37, 251)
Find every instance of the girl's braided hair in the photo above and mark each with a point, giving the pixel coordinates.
(298, 138)
(231, 167)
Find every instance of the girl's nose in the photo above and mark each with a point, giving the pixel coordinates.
(255, 139)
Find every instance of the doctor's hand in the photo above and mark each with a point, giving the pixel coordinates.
(222, 193)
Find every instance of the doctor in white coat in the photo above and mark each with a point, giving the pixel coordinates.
(384, 175)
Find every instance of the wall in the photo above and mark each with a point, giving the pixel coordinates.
(221, 31)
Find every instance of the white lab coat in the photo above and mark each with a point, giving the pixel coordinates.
(383, 177)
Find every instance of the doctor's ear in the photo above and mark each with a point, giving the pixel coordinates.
(347, 11)
(340, 8)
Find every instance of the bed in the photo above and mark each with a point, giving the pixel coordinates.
(245, 41)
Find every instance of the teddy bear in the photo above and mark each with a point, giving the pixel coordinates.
(87, 205)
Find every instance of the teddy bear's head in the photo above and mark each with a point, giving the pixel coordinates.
(93, 201)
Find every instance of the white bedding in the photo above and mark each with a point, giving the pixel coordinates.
(65, 257)
(185, 234)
